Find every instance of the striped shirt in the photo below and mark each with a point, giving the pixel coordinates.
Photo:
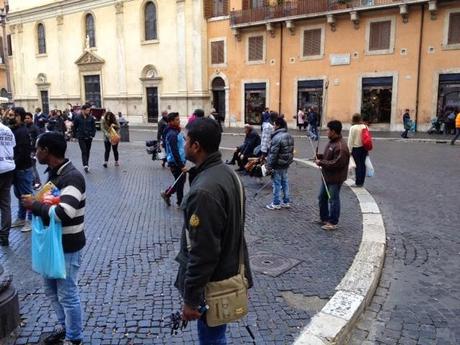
(71, 209)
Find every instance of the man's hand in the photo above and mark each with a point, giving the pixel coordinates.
(184, 169)
(317, 161)
(189, 313)
(27, 201)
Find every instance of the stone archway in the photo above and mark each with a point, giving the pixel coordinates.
(151, 92)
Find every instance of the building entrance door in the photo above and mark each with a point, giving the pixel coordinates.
(376, 99)
(310, 95)
(93, 90)
(218, 97)
(45, 102)
(152, 104)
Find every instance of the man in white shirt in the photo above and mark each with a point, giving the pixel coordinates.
(7, 166)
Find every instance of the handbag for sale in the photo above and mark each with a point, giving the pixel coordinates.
(228, 299)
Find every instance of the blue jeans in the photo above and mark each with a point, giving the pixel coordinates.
(22, 183)
(65, 297)
(314, 132)
(280, 182)
(211, 335)
(329, 209)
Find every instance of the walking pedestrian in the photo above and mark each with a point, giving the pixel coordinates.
(63, 293)
(175, 156)
(355, 145)
(313, 124)
(301, 119)
(109, 124)
(7, 167)
(162, 125)
(216, 116)
(23, 176)
(280, 157)
(213, 232)
(85, 130)
(40, 120)
(334, 167)
(457, 128)
(407, 123)
(33, 133)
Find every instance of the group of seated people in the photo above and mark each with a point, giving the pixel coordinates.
(249, 149)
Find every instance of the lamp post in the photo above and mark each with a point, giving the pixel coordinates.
(3, 14)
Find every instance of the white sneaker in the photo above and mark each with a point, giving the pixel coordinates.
(285, 205)
(272, 206)
(26, 227)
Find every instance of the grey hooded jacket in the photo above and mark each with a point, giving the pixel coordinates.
(281, 153)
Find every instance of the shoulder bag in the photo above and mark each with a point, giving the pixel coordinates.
(228, 299)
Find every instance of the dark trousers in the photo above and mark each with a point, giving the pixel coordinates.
(236, 158)
(329, 209)
(404, 134)
(179, 186)
(6, 180)
(359, 155)
(85, 148)
(107, 146)
(36, 176)
(456, 136)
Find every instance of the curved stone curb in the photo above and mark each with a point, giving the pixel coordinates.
(332, 325)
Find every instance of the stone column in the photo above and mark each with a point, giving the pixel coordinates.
(181, 47)
(61, 56)
(198, 36)
(121, 56)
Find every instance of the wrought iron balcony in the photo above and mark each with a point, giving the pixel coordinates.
(298, 9)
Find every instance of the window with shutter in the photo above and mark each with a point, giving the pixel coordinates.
(312, 42)
(454, 29)
(256, 48)
(380, 35)
(217, 52)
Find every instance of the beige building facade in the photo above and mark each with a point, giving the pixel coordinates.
(137, 57)
(374, 57)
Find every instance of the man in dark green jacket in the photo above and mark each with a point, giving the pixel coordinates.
(213, 227)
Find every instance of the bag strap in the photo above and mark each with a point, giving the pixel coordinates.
(241, 255)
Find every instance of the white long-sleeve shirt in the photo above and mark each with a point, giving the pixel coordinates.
(354, 136)
(7, 144)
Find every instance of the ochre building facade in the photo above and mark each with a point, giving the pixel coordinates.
(137, 57)
(374, 57)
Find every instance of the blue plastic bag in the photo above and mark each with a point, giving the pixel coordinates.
(47, 252)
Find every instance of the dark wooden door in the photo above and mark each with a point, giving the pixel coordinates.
(219, 103)
(152, 104)
(93, 90)
(45, 102)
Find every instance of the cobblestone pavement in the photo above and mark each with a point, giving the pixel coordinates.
(418, 299)
(128, 269)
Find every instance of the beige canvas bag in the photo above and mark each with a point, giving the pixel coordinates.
(228, 299)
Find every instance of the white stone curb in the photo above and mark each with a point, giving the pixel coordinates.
(333, 324)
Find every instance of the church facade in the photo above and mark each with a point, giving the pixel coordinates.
(137, 57)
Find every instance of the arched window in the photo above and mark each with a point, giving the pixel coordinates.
(150, 19)
(41, 39)
(90, 30)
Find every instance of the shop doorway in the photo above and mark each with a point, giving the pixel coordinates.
(218, 97)
(448, 93)
(310, 95)
(255, 97)
(376, 99)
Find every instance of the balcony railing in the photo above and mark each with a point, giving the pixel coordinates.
(300, 8)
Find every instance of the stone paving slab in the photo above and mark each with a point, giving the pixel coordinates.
(128, 269)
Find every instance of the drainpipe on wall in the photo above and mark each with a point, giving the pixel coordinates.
(281, 69)
(422, 8)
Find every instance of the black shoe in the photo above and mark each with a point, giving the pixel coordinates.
(229, 162)
(239, 169)
(56, 337)
(4, 242)
(104, 165)
(166, 198)
(86, 168)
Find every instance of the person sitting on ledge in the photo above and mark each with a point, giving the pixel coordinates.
(246, 150)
